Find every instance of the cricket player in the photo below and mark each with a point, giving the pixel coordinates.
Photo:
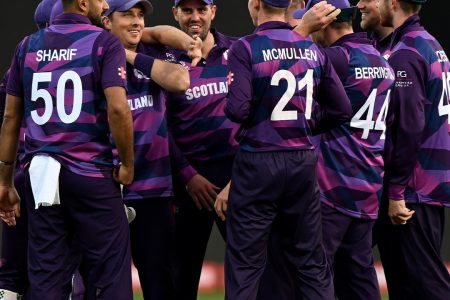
(67, 83)
(283, 90)
(350, 167)
(417, 158)
(370, 22)
(149, 79)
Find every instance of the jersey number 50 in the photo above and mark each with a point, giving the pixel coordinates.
(37, 93)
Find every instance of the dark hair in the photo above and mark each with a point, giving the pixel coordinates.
(342, 25)
(410, 7)
(273, 9)
(67, 3)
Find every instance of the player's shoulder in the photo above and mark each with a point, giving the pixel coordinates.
(223, 40)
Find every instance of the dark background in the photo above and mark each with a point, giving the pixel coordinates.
(232, 19)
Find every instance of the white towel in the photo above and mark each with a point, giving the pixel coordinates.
(44, 178)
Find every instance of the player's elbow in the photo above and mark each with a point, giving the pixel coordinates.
(179, 81)
(182, 80)
(236, 115)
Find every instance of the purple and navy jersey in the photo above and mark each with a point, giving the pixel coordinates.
(418, 143)
(147, 101)
(350, 166)
(381, 44)
(61, 72)
(278, 76)
(196, 118)
(3, 84)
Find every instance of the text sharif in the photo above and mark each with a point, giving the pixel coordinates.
(56, 54)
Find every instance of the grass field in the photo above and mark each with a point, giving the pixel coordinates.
(218, 296)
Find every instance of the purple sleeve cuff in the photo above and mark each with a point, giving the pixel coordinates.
(396, 192)
(144, 63)
(187, 173)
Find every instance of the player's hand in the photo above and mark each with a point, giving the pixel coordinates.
(124, 174)
(9, 205)
(317, 17)
(398, 212)
(195, 50)
(202, 191)
(221, 205)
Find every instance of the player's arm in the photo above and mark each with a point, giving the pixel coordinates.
(403, 136)
(221, 204)
(316, 18)
(9, 139)
(334, 106)
(239, 103)
(174, 38)
(3, 96)
(121, 126)
(119, 115)
(180, 165)
(171, 77)
(201, 190)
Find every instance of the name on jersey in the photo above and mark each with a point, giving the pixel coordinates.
(213, 88)
(289, 53)
(56, 54)
(373, 72)
(442, 57)
(141, 102)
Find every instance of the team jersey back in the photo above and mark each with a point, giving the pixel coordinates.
(147, 101)
(286, 73)
(65, 108)
(196, 118)
(430, 182)
(350, 167)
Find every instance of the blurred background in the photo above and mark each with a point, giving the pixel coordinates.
(232, 19)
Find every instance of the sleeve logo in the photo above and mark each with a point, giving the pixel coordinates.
(122, 73)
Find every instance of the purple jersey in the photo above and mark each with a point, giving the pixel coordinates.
(381, 44)
(61, 72)
(418, 146)
(196, 118)
(278, 76)
(350, 168)
(3, 84)
(147, 101)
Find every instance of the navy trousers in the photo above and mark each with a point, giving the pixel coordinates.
(193, 228)
(13, 270)
(152, 245)
(411, 257)
(281, 188)
(348, 245)
(91, 210)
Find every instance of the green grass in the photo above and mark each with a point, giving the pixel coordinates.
(220, 296)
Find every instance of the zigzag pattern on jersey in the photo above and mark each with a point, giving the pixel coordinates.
(430, 182)
(350, 167)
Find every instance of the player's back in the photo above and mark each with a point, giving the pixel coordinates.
(351, 166)
(65, 108)
(430, 182)
(286, 74)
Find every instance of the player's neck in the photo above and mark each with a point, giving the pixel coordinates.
(264, 18)
(208, 44)
(400, 18)
(382, 32)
